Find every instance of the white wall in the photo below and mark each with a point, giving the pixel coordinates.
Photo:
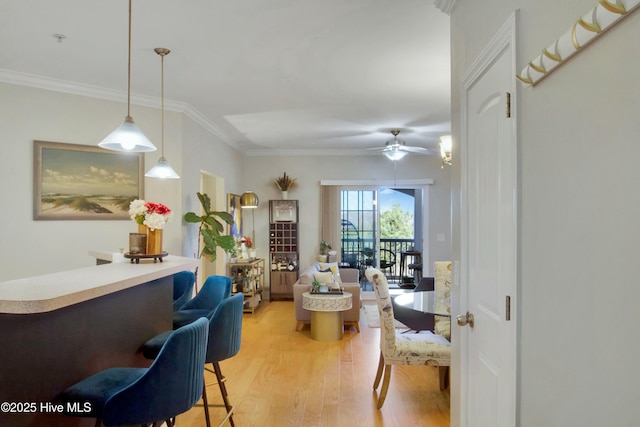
(309, 171)
(579, 210)
(202, 151)
(37, 247)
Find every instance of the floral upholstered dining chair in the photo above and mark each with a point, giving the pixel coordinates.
(443, 298)
(403, 349)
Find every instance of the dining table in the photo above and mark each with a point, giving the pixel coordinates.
(419, 311)
(424, 301)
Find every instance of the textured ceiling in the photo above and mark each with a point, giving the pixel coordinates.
(267, 75)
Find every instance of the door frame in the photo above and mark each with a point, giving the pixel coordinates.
(213, 186)
(504, 39)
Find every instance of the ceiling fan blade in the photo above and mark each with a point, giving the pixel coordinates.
(419, 150)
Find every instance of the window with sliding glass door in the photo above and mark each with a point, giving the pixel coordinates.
(377, 225)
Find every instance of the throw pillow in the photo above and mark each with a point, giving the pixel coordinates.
(330, 267)
(326, 277)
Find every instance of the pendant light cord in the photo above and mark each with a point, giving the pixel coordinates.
(162, 106)
(162, 51)
(129, 67)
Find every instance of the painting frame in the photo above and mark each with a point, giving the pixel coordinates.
(84, 182)
(235, 210)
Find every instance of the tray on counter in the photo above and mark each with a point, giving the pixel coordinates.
(329, 292)
(137, 257)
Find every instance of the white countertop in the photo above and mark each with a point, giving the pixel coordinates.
(108, 256)
(50, 292)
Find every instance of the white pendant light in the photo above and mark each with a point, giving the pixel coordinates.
(128, 137)
(162, 169)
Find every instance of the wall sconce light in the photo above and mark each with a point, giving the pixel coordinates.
(445, 149)
(249, 200)
(128, 137)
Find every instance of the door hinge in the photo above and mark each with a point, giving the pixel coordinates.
(508, 309)
(508, 105)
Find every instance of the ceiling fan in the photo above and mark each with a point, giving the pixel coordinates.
(396, 149)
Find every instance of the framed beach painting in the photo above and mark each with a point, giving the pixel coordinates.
(84, 182)
(234, 209)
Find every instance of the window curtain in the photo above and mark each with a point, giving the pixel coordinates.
(330, 216)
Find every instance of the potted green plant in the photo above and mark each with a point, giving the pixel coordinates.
(212, 225)
(233, 254)
(315, 285)
(325, 247)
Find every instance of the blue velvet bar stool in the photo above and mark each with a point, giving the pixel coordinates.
(169, 387)
(225, 334)
(183, 283)
(214, 290)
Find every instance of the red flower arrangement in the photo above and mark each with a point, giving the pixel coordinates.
(153, 215)
(247, 241)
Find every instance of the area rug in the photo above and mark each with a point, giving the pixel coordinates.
(367, 296)
(373, 318)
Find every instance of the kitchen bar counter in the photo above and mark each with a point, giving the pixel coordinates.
(50, 292)
(59, 328)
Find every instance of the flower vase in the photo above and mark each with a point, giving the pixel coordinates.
(243, 251)
(285, 195)
(154, 241)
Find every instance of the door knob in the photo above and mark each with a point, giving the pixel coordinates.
(465, 319)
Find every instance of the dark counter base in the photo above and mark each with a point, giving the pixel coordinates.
(43, 354)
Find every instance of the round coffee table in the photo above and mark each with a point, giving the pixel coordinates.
(326, 314)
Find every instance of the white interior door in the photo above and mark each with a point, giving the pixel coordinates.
(488, 269)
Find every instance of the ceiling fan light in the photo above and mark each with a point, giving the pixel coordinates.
(162, 170)
(394, 154)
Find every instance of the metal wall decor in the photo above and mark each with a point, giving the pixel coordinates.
(586, 29)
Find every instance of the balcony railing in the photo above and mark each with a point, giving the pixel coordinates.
(358, 253)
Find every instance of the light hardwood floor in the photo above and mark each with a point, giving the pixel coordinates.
(282, 377)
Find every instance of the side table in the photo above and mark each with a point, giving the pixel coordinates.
(326, 314)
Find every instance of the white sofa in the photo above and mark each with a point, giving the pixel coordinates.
(349, 277)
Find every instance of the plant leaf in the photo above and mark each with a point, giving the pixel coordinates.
(205, 201)
(192, 217)
(214, 224)
(226, 217)
(226, 242)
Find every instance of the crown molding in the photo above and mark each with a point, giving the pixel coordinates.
(48, 83)
(444, 5)
(361, 182)
(311, 152)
